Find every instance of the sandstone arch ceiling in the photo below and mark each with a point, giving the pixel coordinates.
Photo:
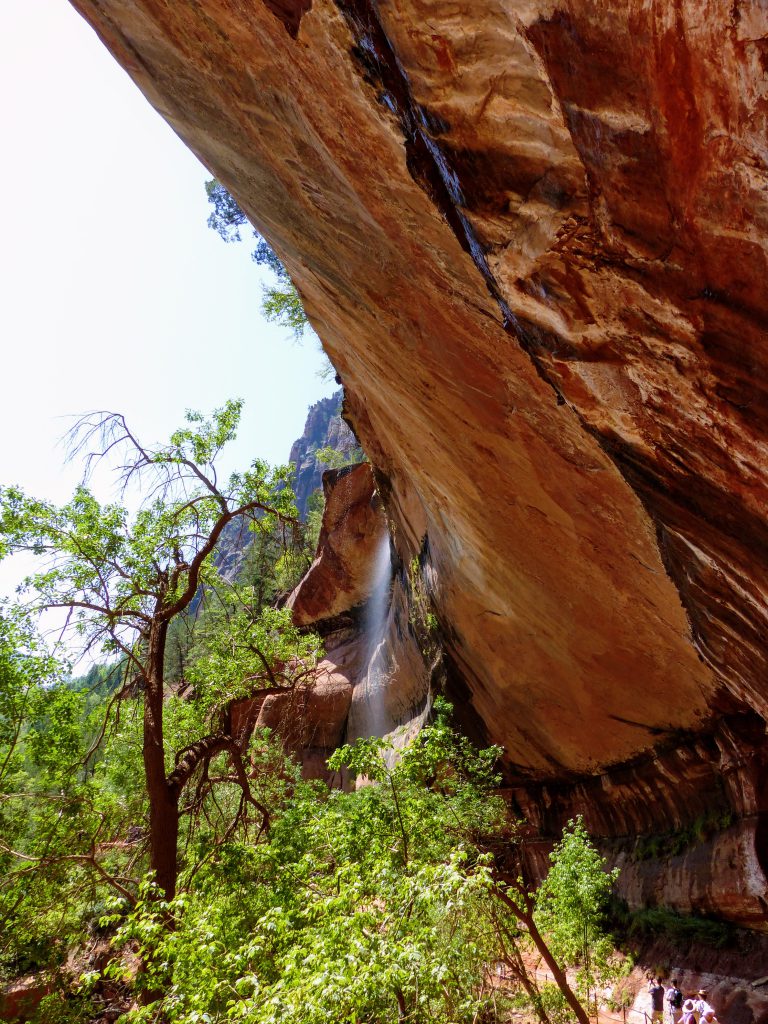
(532, 238)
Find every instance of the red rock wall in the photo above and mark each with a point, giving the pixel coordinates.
(532, 238)
(353, 525)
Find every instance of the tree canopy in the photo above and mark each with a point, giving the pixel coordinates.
(122, 581)
(281, 302)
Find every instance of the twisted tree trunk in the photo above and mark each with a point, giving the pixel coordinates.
(163, 796)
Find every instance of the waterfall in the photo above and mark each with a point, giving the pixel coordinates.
(374, 626)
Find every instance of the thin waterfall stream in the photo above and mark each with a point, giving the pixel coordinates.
(374, 627)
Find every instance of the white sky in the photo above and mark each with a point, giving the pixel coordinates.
(114, 293)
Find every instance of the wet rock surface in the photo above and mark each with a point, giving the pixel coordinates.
(532, 239)
(336, 596)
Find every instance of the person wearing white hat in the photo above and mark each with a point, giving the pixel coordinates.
(701, 1007)
(687, 1016)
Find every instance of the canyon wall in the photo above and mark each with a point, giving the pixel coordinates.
(532, 237)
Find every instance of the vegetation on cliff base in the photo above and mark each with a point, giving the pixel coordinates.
(137, 822)
(383, 904)
(396, 901)
(571, 907)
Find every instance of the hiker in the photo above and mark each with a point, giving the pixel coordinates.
(701, 1007)
(656, 990)
(674, 999)
(688, 1015)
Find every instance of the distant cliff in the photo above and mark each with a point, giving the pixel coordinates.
(324, 429)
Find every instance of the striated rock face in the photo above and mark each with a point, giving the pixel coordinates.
(718, 876)
(532, 237)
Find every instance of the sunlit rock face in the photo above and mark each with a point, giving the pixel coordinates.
(532, 238)
(353, 525)
(681, 825)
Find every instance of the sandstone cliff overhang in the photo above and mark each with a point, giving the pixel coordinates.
(339, 579)
(532, 238)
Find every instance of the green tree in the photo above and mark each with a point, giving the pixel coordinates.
(333, 458)
(382, 904)
(227, 217)
(124, 580)
(48, 811)
(282, 305)
(27, 674)
(571, 906)
(240, 646)
(365, 905)
(281, 302)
